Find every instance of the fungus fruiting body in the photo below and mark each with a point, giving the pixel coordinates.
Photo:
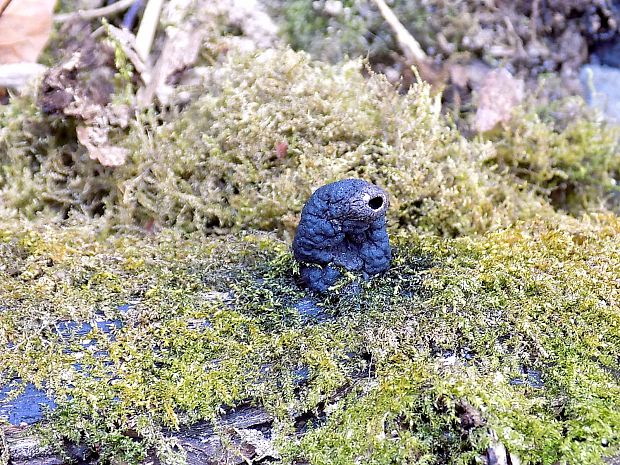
(342, 226)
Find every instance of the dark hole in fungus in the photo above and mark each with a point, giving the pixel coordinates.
(375, 203)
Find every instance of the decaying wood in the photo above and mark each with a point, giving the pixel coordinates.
(22, 445)
(497, 454)
(238, 438)
(4, 451)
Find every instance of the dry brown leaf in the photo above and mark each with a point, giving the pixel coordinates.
(498, 95)
(81, 88)
(25, 27)
(95, 139)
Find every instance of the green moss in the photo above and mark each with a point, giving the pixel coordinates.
(500, 306)
(520, 325)
(42, 167)
(568, 154)
(215, 165)
(516, 318)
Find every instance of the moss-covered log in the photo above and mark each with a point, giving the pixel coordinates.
(521, 325)
(143, 301)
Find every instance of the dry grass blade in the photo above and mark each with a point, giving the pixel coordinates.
(3, 5)
(148, 26)
(410, 46)
(16, 75)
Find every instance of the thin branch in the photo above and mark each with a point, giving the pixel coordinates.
(412, 49)
(17, 75)
(534, 18)
(109, 10)
(127, 41)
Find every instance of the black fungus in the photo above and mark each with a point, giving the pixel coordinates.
(342, 226)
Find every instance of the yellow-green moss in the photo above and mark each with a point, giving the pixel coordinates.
(565, 152)
(215, 164)
(452, 322)
(218, 164)
(212, 321)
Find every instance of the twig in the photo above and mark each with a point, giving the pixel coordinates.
(516, 39)
(109, 10)
(179, 51)
(412, 49)
(17, 75)
(148, 26)
(3, 5)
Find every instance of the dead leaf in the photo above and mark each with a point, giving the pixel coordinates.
(81, 88)
(498, 95)
(95, 139)
(25, 26)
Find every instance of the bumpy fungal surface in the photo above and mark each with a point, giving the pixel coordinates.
(342, 225)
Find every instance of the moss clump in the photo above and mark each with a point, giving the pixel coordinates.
(42, 166)
(563, 151)
(512, 330)
(216, 164)
(521, 326)
(244, 155)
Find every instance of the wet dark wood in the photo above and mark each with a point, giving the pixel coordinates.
(23, 446)
(241, 435)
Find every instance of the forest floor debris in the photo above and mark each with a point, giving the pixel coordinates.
(153, 294)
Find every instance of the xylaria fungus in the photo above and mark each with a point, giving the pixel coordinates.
(342, 225)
